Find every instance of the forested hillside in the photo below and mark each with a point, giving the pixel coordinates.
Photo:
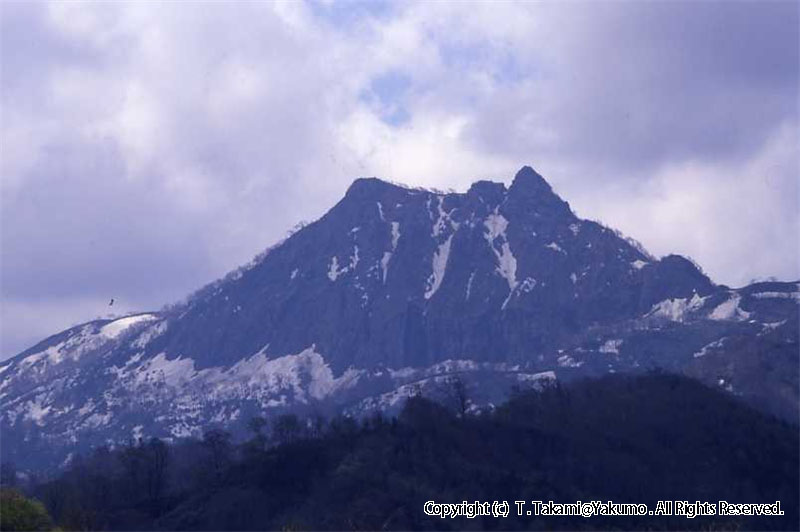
(628, 439)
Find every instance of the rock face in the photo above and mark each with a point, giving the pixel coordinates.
(388, 294)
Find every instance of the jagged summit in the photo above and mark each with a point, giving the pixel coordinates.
(528, 191)
(526, 180)
(529, 181)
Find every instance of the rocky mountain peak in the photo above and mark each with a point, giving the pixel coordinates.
(531, 196)
(529, 182)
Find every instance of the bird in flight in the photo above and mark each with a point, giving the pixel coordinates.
(111, 302)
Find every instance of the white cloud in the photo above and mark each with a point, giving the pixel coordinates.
(190, 136)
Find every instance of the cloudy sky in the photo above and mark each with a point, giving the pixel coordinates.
(148, 148)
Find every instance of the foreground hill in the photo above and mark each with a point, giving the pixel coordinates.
(391, 293)
(626, 439)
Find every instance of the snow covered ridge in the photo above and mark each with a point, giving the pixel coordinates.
(182, 399)
(451, 366)
(81, 342)
(180, 396)
(729, 309)
(430, 382)
(302, 376)
(777, 295)
(117, 327)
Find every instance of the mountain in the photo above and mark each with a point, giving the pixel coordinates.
(392, 293)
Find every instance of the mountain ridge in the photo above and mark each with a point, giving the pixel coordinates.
(389, 294)
(483, 201)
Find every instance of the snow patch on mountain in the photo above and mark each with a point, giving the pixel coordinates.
(395, 234)
(439, 265)
(676, 309)
(36, 411)
(778, 295)
(185, 396)
(305, 374)
(729, 310)
(335, 271)
(87, 340)
(537, 377)
(442, 254)
(387, 255)
(117, 327)
(709, 347)
(390, 399)
(507, 265)
(149, 333)
(443, 219)
(771, 326)
(436, 377)
(453, 365)
(450, 366)
(496, 225)
(402, 373)
(97, 420)
(87, 407)
(528, 284)
(611, 347)
(469, 285)
(566, 361)
(160, 370)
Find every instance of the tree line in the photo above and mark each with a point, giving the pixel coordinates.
(629, 439)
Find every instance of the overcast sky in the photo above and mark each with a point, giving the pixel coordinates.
(149, 148)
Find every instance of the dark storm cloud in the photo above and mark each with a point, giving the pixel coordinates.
(148, 148)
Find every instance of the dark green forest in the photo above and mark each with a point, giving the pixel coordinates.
(628, 439)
